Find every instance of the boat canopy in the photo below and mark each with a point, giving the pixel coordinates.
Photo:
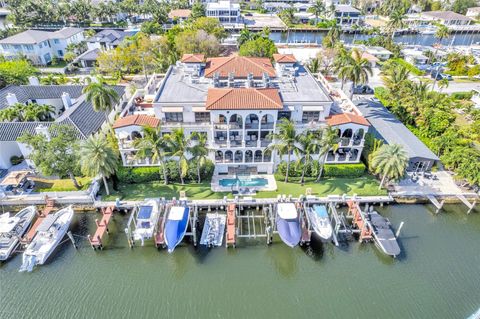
(287, 210)
(8, 224)
(176, 213)
(145, 212)
(321, 210)
(47, 223)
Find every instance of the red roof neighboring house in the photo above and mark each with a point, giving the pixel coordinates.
(192, 58)
(239, 65)
(140, 120)
(244, 98)
(346, 118)
(284, 58)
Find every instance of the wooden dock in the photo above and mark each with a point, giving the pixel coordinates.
(160, 233)
(49, 207)
(360, 222)
(102, 228)
(230, 240)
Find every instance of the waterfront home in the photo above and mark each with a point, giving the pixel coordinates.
(40, 47)
(179, 15)
(414, 56)
(225, 11)
(70, 108)
(347, 15)
(238, 102)
(448, 18)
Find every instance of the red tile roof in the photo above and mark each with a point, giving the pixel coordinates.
(179, 13)
(243, 99)
(140, 120)
(193, 58)
(241, 66)
(284, 58)
(345, 118)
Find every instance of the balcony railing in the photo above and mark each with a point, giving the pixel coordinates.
(267, 126)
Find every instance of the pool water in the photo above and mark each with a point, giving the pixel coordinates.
(258, 181)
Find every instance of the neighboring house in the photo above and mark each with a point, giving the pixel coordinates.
(446, 17)
(347, 15)
(473, 12)
(238, 102)
(4, 12)
(414, 56)
(40, 47)
(179, 15)
(276, 6)
(224, 11)
(71, 108)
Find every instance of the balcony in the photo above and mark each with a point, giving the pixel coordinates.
(185, 124)
(267, 126)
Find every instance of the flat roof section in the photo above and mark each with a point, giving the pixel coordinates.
(393, 131)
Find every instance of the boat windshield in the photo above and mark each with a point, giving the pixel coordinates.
(145, 212)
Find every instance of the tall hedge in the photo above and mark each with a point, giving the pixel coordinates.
(329, 170)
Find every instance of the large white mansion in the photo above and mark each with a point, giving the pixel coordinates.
(237, 102)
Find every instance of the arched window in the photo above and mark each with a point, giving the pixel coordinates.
(267, 122)
(347, 133)
(236, 121)
(219, 156)
(251, 121)
(238, 157)
(358, 136)
(267, 156)
(258, 156)
(136, 135)
(248, 156)
(228, 156)
(222, 119)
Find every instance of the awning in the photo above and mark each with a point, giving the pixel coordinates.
(316, 108)
(172, 109)
(199, 109)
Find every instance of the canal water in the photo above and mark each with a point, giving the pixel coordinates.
(416, 39)
(435, 277)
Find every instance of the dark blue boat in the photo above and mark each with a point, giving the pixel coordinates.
(288, 224)
(176, 226)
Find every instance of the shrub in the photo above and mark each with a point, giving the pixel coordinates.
(130, 175)
(462, 95)
(474, 70)
(15, 160)
(344, 170)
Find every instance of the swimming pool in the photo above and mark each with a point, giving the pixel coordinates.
(253, 182)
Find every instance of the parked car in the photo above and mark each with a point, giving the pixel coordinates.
(362, 89)
(440, 76)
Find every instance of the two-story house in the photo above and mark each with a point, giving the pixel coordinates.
(224, 11)
(40, 47)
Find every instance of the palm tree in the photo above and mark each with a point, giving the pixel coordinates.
(318, 9)
(314, 65)
(285, 141)
(441, 33)
(308, 146)
(390, 161)
(102, 97)
(178, 146)
(152, 145)
(357, 70)
(443, 84)
(395, 77)
(332, 37)
(10, 114)
(245, 35)
(98, 158)
(328, 141)
(396, 21)
(200, 151)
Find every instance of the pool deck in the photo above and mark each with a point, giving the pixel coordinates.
(216, 187)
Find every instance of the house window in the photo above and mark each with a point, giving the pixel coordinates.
(174, 117)
(310, 116)
(17, 47)
(202, 117)
(56, 41)
(284, 115)
(29, 47)
(195, 136)
(60, 52)
(5, 46)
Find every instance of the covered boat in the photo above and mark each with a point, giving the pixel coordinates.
(288, 224)
(49, 234)
(176, 226)
(12, 228)
(146, 220)
(318, 216)
(213, 230)
(383, 234)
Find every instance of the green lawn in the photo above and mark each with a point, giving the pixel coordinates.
(59, 185)
(361, 186)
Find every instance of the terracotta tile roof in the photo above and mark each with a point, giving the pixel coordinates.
(284, 58)
(179, 13)
(140, 120)
(240, 66)
(243, 99)
(345, 118)
(193, 58)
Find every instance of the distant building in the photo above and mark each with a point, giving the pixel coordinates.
(40, 47)
(446, 17)
(414, 56)
(347, 15)
(224, 11)
(179, 15)
(473, 12)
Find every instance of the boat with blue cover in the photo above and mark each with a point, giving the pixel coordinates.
(176, 226)
(318, 216)
(288, 224)
(146, 219)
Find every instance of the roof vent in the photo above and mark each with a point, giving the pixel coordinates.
(216, 79)
(266, 80)
(231, 79)
(11, 99)
(249, 80)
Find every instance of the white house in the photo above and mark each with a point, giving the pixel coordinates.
(224, 11)
(40, 46)
(238, 102)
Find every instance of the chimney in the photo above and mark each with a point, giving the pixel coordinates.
(266, 80)
(249, 80)
(231, 79)
(42, 129)
(33, 80)
(11, 99)
(67, 101)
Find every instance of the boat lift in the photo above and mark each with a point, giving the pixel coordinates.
(257, 223)
(131, 220)
(102, 228)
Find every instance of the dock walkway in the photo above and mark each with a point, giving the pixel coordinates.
(49, 207)
(102, 228)
(230, 240)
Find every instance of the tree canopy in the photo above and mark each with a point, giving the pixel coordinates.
(15, 72)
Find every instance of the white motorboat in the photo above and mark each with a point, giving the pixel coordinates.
(318, 216)
(146, 219)
(213, 230)
(12, 228)
(49, 234)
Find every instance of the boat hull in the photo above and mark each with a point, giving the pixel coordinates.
(175, 230)
(25, 216)
(289, 231)
(320, 222)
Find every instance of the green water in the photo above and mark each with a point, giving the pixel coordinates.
(436, 277)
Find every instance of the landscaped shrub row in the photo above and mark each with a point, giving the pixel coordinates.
(329, 170)
(132, 175)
